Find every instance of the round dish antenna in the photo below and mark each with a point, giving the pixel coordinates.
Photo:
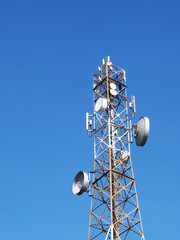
(101, 105)
(113, 86)
(80, 183)
(142, 131)
(113, 92)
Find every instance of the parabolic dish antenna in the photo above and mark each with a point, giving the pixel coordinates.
(113, 86)
(142, 131)
(80, 183)
(113, 92)
(101, 105)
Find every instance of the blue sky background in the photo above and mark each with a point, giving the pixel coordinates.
(48, 53)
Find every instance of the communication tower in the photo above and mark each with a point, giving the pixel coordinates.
(114, 212)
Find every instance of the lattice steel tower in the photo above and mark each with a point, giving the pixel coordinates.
(114, 212)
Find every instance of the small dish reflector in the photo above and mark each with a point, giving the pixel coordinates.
(113, 86)
(101, 105)
(142, 131)
(80, 183)
(113, 92)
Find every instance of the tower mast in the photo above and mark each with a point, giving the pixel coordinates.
(114, 211)
(114, 204)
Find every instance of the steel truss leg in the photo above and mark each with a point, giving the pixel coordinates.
(112, 229)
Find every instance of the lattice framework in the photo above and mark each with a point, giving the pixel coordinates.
(114, 212)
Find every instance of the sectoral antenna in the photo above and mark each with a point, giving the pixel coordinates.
(132, 106)
(90, 123)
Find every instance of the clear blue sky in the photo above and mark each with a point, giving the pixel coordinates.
(48, 53)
